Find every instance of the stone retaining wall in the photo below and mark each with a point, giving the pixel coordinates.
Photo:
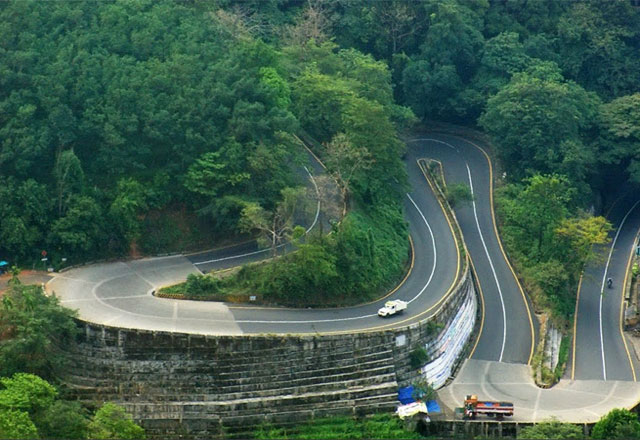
(190, 386)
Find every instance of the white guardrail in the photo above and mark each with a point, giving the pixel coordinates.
(450, 343)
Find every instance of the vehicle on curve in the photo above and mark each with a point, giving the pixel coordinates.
(473, 407)
(392, 307)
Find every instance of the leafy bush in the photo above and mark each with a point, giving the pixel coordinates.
(36, 330)
(28, 407)
(551, 429)
(563, 356)
(418, 357)
(423, 390)
(111, 422)
(381, 426)
(548, 246)
(365, 255)
(618, 423)
(201, 285)
(458, 193)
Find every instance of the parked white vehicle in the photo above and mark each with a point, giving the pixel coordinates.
(392, 307)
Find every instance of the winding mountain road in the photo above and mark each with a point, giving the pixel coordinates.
(120, 294)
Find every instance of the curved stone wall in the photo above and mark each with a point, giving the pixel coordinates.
(190, 386)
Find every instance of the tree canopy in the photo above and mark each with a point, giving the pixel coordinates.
(618, 423)
(34, 332)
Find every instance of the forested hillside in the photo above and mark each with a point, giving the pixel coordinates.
(152, 126)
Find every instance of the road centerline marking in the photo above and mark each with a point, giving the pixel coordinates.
(604, 277)
(493, 270)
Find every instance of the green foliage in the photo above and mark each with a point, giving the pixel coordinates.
(458, 193)
(434, 79)
(36, 329)
(423, 391)
(418, 357)
(366, 253)
(93, 111)
(63, 420)
(532, 213)
(381, 426)
(16, 425)
(28, 408)
(551, 429)
(201, 285)
(80, 230)
(618, 423)
(593, 46)
(541, 123)
(25, 210)
(548, 245)
(620, 143)
(124, 212)
(563, 357)
(26, 392)
(111, 422)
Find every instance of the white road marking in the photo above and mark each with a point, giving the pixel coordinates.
(433, 245)
(108, 298)
(537, 404)
(493, 270)
(604, 277)
(436, 141)
(62, 277)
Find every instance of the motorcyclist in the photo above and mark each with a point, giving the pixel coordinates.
(609, 283)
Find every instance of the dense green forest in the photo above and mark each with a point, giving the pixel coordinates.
(155, 126)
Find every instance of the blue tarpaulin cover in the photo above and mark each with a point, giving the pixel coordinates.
(433, 407)
(405, 395)
(3, 263)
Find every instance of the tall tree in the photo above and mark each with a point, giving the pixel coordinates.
(34, 329)
(275, 227)
(620, 134)
(69, 178)
(596, 46)
(344, 161)
(541, 123)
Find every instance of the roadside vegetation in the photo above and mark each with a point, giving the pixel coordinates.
(617, 424)
(36, 334)
(383, 426)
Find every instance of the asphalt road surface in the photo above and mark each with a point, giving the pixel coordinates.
(600, 350)
(119, 294)
(508, 329)
(576, 401)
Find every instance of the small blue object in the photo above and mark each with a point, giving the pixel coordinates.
(405, 395)
(3, 263)
(433, 407)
